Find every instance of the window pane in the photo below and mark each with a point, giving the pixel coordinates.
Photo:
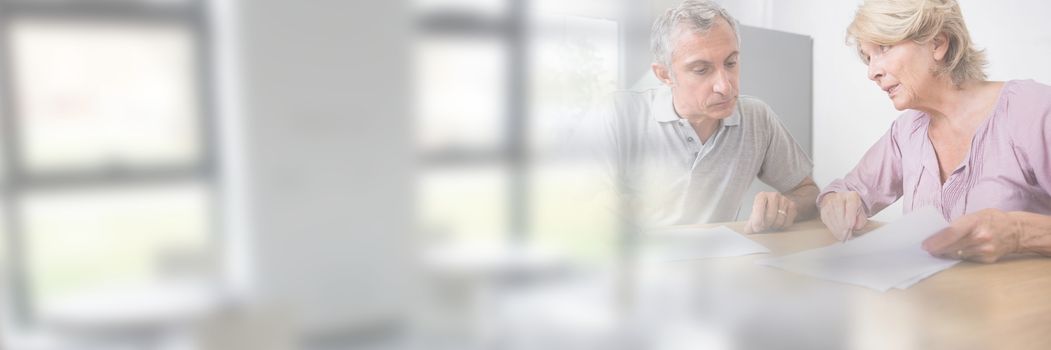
(461, 93)
(464, 204)
(95, 95)
(571, 214)
(575, 62)
(84, 240)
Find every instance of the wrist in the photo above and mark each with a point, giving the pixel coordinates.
(1033, 232)
(821, 199)
(1021, 230)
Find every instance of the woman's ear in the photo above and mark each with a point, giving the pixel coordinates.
(940, 46)
(662, 73)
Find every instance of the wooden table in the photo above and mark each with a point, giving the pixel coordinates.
(1006, 305)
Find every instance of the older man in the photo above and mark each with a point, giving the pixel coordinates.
(687, 152)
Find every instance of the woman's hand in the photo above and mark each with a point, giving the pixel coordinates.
(842, 213)
(983, 236)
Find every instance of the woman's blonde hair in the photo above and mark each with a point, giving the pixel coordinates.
(888, 22)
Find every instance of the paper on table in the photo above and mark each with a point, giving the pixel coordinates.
(888, 257)
(934, 269)
(694, 243)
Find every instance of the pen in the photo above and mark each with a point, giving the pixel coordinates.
(850, 229)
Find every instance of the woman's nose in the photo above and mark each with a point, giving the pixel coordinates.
(875, 73)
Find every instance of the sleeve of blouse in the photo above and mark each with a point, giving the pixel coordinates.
(878, 176)
(1033, 140)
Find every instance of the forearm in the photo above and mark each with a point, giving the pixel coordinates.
(1035, 233)
(805, 197)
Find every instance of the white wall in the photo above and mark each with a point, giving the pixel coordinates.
(327, 135)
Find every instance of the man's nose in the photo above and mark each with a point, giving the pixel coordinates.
(723, 85)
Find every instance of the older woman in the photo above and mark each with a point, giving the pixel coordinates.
(977, 150)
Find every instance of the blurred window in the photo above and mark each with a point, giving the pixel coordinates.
(497, 84)
(93, 95)
(108, 172)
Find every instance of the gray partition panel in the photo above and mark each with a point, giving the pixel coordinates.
(777, 67)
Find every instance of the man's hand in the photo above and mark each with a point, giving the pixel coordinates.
(842, 213)
(771, 211)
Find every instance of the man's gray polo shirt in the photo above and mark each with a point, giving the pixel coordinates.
(655, 160)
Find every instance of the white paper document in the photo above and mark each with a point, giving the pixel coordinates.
(695, 243)
(888, 257)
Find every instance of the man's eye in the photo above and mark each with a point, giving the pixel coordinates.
(731, 64)
(700, 71)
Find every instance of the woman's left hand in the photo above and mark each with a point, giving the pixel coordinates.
(983, 236)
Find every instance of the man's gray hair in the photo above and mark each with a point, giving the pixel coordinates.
(697, 15)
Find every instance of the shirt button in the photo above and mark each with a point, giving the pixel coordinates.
(689, 139)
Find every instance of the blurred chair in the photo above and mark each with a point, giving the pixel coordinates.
(247, 328)
(140, 316)
(467, 282)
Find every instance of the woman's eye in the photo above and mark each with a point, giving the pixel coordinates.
(884, 48)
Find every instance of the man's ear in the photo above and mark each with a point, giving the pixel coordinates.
(941, 46)
(662, 73)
